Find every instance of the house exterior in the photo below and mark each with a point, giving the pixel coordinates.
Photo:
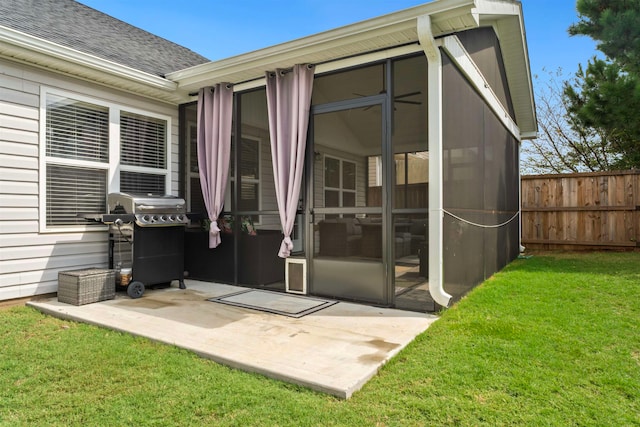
(410, 178)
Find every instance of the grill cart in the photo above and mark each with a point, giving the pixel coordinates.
(146, 239)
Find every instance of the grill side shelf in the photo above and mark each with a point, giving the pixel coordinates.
(108, 218)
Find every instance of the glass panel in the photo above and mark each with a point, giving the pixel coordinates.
(348, 199)
(143, 140)
(411, 264)
(347, 243)
(371, 237)
(410, 104)
(332, 172)
(77, 130)
(418, 166)
(142, 183)
(192, 137)
(197, 201)
(374, 175)
(348, 176)
(411, 192)
(332, 198)
(71, 191)
(188, 131)
(258, 262)
(401, 170)
(344, 143)
(250, 159)
(249, 200)
(350, 84)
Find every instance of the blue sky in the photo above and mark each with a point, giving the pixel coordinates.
(219, 29)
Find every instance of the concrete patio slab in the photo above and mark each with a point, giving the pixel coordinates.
(335, 350)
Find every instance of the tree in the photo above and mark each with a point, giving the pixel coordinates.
(604, 97)
(615, 25)
(592, 122)
(563, 146)
(606, 100)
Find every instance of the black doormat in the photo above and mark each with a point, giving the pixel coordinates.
(274, 302)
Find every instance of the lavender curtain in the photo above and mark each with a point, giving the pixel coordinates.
(215, 108)
(288, 102)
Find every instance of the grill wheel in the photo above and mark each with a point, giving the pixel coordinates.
(135, 289)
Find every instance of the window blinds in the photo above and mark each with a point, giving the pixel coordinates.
(142, 141)
(74, 190)
(77, 130)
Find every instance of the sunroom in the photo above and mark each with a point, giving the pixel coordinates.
(394, 179)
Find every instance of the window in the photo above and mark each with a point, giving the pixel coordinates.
(249, 162)
(339, 183)
(195, 200)
(250, 176)
(90, 148)
(143, 145)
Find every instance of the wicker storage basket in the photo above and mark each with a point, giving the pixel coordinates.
(80, 287)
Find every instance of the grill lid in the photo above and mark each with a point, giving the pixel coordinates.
(149, 210)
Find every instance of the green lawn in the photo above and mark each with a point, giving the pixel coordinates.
(551, 340)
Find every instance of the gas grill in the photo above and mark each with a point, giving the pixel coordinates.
(146, 237)
(149, 210)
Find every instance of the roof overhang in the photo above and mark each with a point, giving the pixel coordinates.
(21, 47)
(384, 33)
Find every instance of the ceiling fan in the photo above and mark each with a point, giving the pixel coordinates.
(400, 99)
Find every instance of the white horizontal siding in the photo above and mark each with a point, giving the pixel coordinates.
(12, 109)
(21, 123)
(9, 187)
(18, 214)
(17, 162)
(18, 136)
(29, 260)
(17, 97)
(38, 287)
(18, 175)
(15, 200)
(35, 239)
(47, 251)
(10, 227)
(10, 279)
(25, 148)
(63, 261)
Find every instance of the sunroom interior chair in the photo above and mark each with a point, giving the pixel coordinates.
(340, 237)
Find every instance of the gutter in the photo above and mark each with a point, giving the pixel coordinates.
(436, 208)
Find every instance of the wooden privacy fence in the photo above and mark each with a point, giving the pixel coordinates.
(599, 210)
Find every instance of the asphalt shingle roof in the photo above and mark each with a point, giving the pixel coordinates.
(74, 25)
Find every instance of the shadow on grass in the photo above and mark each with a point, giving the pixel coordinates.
(620, 263)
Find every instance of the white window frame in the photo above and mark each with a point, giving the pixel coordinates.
(341, 190)
(113, 167)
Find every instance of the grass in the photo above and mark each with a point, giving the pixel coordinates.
(553, 340)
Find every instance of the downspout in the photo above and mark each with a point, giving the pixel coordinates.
(434, 119)
(520, 245)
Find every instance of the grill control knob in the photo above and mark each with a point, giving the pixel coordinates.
(180, 217)
(172, 218)
(145, 218)
(163, 218)
(154, 218)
